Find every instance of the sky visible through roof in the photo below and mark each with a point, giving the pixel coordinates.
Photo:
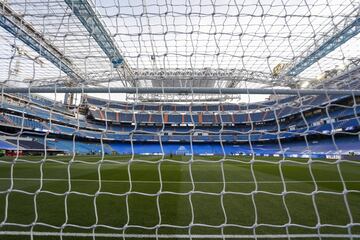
(172, 34)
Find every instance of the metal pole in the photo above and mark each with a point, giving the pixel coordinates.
(178, 90)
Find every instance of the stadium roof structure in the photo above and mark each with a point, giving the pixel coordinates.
(162, 43)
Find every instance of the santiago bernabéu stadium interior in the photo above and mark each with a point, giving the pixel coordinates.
(187, 119)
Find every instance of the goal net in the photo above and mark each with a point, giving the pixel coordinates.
(179, 120)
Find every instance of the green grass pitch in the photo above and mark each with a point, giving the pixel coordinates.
(172, 193)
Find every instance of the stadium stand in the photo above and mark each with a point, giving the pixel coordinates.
(28, 144)
(6, 146)
(176, 121)
(179, 119)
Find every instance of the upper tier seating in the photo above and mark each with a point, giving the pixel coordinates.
(223, 118)
(45, 102)
(224, 107)
(306, 101)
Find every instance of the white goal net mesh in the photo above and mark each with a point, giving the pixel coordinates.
(187, 165)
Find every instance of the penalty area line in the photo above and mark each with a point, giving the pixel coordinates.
(172, 182)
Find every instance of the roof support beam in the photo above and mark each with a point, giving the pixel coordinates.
(17, 26)
(231, 77)
(179, 90)
(87, 16)
(325, 48)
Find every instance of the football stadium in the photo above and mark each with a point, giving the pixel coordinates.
(188, 119)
